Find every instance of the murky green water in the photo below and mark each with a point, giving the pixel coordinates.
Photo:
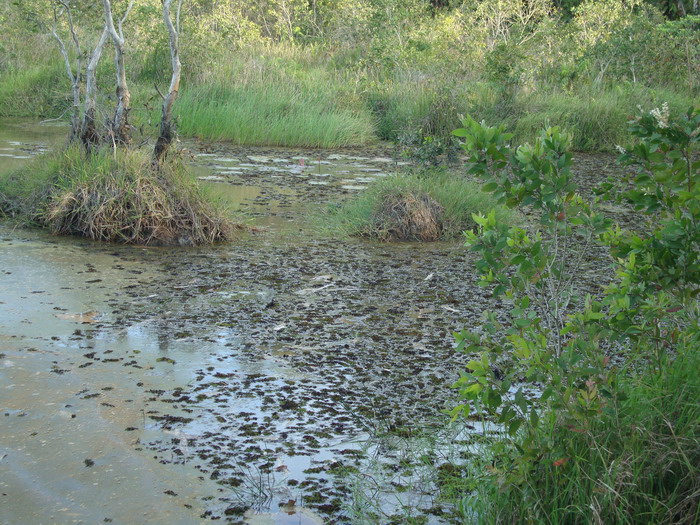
(278, 379)
(240, 382)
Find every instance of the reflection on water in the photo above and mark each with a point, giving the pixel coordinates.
(235, 382)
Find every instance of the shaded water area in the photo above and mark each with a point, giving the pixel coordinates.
(278, 379)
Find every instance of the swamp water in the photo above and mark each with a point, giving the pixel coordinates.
(282, 378)
(278, 379)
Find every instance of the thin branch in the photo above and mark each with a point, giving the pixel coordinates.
(61, 45)
(177, 16)
(109, 21)
(158, 90)
(123, 19)
(74, 35)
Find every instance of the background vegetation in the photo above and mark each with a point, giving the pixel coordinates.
(346, 72)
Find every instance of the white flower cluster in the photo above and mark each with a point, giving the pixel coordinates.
(661, 115)
(620, 149)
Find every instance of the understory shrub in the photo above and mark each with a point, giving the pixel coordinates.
(611, 432)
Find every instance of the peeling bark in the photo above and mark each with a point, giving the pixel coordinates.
(120, 128)
(89, 134)
(167, 128)
(74, 77)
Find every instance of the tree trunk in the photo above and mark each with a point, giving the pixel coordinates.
(120, 123)
(74, 77)
(89, 135)
(167, 129)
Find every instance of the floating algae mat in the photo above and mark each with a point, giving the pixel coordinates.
(277, 379)
(217, 383)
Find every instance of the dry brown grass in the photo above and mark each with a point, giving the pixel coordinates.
(146, 210)
(407, 217)
(115, 196)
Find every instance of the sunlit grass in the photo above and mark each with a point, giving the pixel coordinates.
(361, 216)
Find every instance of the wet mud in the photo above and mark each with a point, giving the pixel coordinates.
(278, 379)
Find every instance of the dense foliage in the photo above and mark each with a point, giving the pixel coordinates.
(613, 434)
(388, 66)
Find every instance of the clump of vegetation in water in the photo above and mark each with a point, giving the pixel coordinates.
(614, 436)
(114, 196)
(422, 206)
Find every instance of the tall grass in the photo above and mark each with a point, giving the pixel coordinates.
(276, 114)
(279, 97)
(639, 463)
(596, 117)
(39, 90)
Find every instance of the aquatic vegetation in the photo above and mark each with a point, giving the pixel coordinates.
(114, 196)
(425, 205)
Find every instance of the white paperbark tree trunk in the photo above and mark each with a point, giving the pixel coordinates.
(167, 129)
(89, 133)
(120, 129)
(61, 7)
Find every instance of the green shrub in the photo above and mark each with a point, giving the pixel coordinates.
(613, 436)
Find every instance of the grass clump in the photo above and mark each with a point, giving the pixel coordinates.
(421, 206)
(113, 196)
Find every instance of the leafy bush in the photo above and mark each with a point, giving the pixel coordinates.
(568, 455)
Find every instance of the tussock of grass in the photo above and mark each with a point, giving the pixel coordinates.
(640, 463)
(114, 197)
(415, 206)
(408, 217)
